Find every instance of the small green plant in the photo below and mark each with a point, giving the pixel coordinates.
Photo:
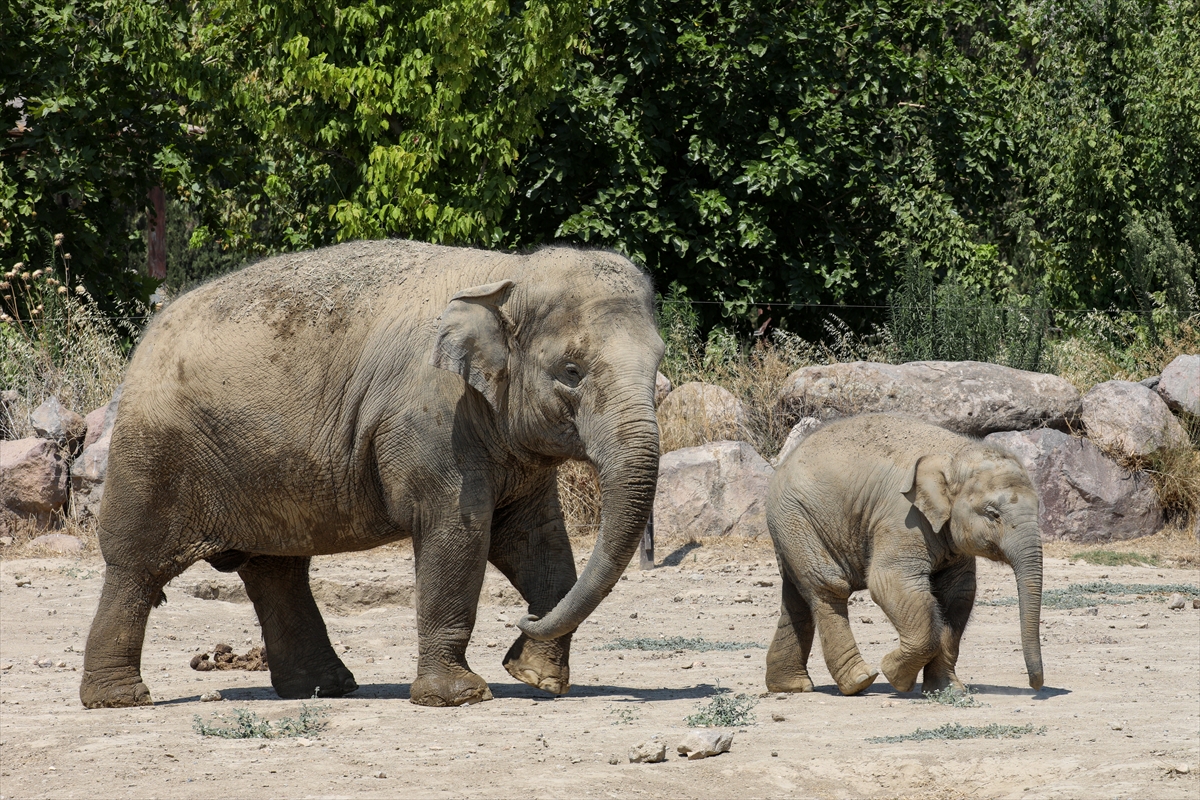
(623, 716)
(953, 730)
(1110, 558)
(673, 643)
(1082, 595)
(724, 710)
(956, 698)
(248, 725)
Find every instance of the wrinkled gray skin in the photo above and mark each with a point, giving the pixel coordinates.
(347, 397)
(900, 507)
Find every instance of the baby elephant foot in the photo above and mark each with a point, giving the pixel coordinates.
(119, 689)
(785, 680)
(857, 682)
(334, 680)
(542, 665)
(901, 676)
(449, 689)
(936, 681)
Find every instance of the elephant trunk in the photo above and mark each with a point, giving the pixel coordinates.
(1023, 550)
(623, 446)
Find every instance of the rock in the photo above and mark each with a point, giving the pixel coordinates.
(51, 420)
(799, 432)
(1151, 383)
(58, 543)
(5, 541)
(33, 478)
(210, 697)
(95, 425)
(1196, 603)
(700, 412)
(767, 582)
(705, 743)
(964, 396)
(379, 774)
(1179, 385)
(1127, 419)
(1176, 602)
(712, 490)
(89, 469)
(1181, 769)
(662, 388)
(650, 752)
(742, 597)
(614, 759)
(1085, 496)
(777, 717)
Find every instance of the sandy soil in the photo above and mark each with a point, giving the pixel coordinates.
(1121, 710)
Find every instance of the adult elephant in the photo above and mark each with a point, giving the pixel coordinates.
(351, 396)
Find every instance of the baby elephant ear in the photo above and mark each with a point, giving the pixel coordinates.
(930, 489)
(472, 340)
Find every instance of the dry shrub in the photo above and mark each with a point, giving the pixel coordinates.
(1101, 348)
(579, 496)
(1176, 475)
(25, 531)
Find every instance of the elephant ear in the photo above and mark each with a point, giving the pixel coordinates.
(930, 489)
(473, 340)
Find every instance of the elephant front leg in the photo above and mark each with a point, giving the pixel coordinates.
(299, 655)
(450, 569)
(530, 546)
(914, 613)
(845, 663)
(954, 590)
(787, 659)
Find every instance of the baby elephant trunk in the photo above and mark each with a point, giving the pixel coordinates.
(1023, 550)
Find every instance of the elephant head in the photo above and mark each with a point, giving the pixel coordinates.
(989, 501)
(565, 353)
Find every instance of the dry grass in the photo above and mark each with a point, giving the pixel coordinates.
(579, 496)
(1106, 349)
(24, 532)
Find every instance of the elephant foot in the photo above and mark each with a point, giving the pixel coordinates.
(937, 681)
(783, 680)
(113, 689)
(857, 683)
(458, 689)
(899, 675)
(542, 665)
(332, 681)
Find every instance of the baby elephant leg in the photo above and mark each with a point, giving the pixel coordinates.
(914, 613)
(787, 660)
(845, 663)
(954, 590)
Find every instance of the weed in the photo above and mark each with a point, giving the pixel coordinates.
(1082, 595)
(247, 725)
(953, 730)
(724, 710)
(956, 698)
(624, 716)
(1110, 558)
(677, 643)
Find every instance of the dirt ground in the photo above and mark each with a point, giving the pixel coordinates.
(1119, 717)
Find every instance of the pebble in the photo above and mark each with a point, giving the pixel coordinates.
(705, 743)
(210, 697)
(648, 752)
(1143, 624)
(380, 774)
(60, 664)
(678, 598)
(764, 582)
(1091, 611)
(633, 615)
(1176, 602)
(370, 659)
(24, 582)
(614, 759)
(43, 662)
(777, 717)
(493, 643)
(1196, 603)
(774, 754)
(742, 597)
(866, 620)
(1182, 769)
(5, 667)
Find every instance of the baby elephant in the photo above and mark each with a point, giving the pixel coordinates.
(900, 507)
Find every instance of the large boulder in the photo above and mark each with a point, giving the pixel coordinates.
(714, 489)
(1085, 496)
(1179, 384)
(33, 478)
(662, 388)
(52, 420)
(1127, 419)
(965, 396)
(799, 432)
(89, 469)
(696, 412)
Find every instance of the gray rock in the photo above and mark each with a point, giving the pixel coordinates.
(51, 420)
(649, 752)
(799, 432)
(1085, 496)
(705, 743)
(712, 490)
(33, 478)
(964, 396)
(1176, 602)
(701, 412)
(1180, 384)
(89, 469)
(1151, 382)
(662, 388)
(1127, 419)
(210, 697)
(58, 543)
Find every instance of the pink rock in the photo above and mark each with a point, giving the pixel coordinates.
(33, 478)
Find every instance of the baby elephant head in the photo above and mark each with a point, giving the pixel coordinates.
(987, 499)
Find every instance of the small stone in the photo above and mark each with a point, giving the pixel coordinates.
(24, 582)
(705, 743)
(576, 759)
(866, 620)
(380, 774)
(1181, 769)
(1196, 603)
(5, 667)
(371, 659)
(60, 664)
(1116, 726)
(677, 598)
(777, 717)
(649, 752)
(210, 697)
(493, 643)
(1091, 611)
(1143, 624)
(742, 597)
(43, 662)
(764, 582)
(774, 754)
(1176, 602)
(633, 615)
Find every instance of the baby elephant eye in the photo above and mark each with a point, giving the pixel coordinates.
(570, 374)
(992, 512)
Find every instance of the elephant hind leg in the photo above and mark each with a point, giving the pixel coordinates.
(845, 662)
(299, 655)
(787, 658)
(112, 663)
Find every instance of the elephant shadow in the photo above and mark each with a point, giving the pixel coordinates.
(501, 691)
(882, 689)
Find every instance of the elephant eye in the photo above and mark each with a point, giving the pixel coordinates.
(992, 511)
(570, 374)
